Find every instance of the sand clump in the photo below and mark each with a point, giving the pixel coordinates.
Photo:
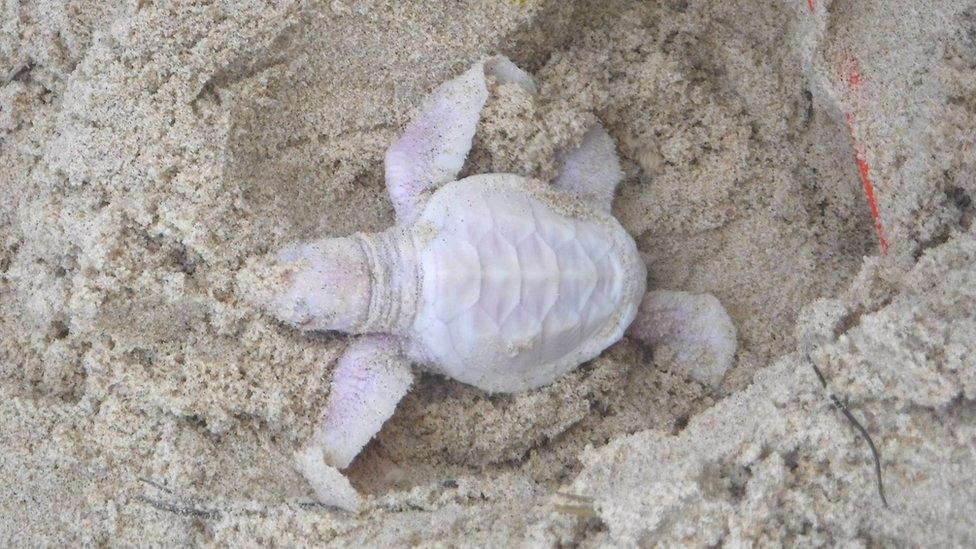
(149, 151)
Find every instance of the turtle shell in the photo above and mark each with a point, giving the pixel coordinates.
(519, 282)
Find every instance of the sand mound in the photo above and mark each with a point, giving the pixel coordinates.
(149, 149)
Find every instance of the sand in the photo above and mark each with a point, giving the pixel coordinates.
(148, 149)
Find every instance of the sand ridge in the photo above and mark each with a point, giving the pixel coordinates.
(150, 150)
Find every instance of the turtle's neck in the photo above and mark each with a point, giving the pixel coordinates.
(391, 260)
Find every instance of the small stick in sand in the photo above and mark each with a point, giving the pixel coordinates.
(186, 510)
(860, 429)
(575, 510)
(583, 509)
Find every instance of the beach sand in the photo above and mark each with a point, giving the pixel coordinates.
(149, 149)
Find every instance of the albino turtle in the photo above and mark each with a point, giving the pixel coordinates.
(496, 280)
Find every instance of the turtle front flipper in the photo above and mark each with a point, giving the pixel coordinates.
(436, 142)
(592, 171)
(372, 377)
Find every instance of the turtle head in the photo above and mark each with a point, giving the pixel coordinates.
(321, 285)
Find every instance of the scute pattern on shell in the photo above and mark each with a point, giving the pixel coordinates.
(512, 290)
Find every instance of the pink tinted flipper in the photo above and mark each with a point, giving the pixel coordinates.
(436, 142)
(433, 147)
(592, 171)
(691, 333)
(372, 377)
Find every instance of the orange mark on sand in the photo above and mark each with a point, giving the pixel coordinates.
(851, 68)
(860, 155)
(853, 79)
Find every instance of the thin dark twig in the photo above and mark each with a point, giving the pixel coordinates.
(155, 485)
(178, 509)
(860, 428)
(184, 510)
(312, 505)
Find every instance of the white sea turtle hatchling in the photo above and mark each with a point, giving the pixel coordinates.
(496, 280)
